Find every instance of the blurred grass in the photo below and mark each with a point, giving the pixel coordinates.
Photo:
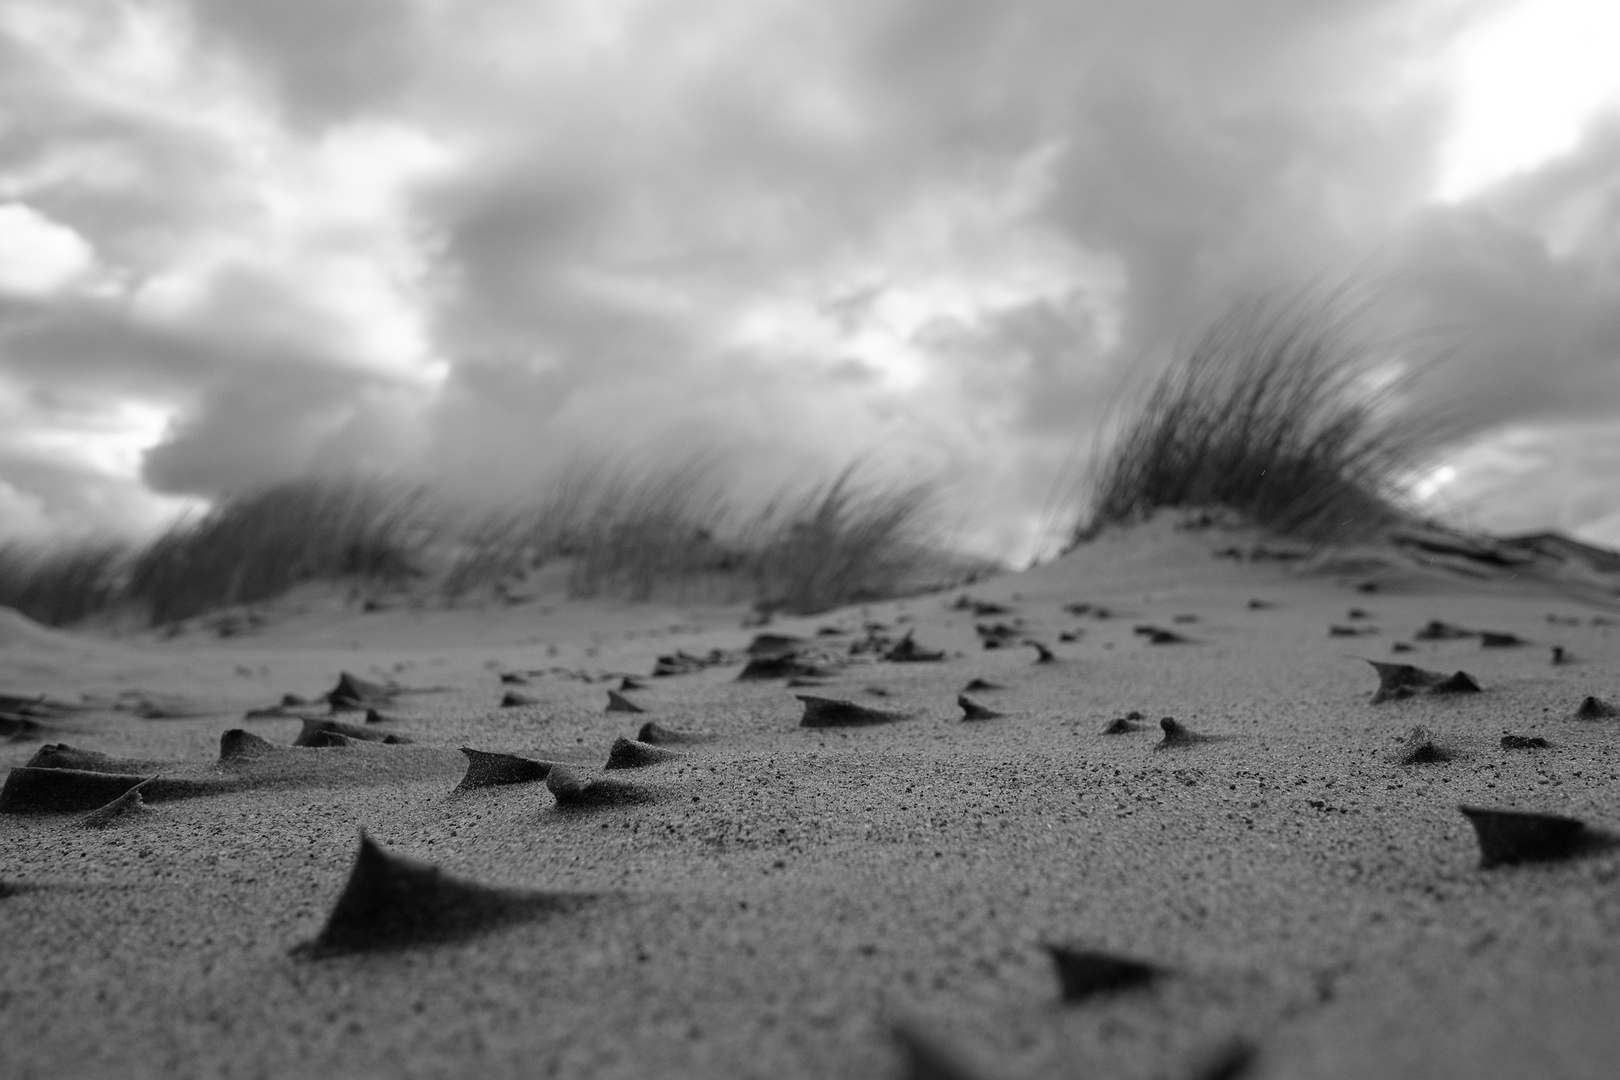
(1285, 410)
(614, 528)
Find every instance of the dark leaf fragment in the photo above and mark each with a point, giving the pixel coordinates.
(831, 712)
(487, 769)
(576, 792)
(926, 1059)
(1085, 973)
(1404, 680)
(1229, 1062)
(1438, 630)
(1517, 836)
(656, 734)
(237, 744)
(315, 726)
(1418, 748)
(774, 644)
(1524, 742)
(972, 710)
(63, 756)
(631, 754)
(617, 702)
(907, 651)
(58, 791)
(1177, 735)
(779, 666)
(353, 693)
(394, 902)
(1594, 708)
(126, 806)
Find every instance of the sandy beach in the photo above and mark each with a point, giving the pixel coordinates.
(776, 899)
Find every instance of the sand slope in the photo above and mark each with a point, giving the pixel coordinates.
(778, 896)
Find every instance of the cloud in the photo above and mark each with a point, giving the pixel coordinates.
(473, 240)
(37, 255)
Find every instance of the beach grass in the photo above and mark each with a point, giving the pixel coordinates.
(258, 545)
(1286, 410)
(61, 585)
(621, 529)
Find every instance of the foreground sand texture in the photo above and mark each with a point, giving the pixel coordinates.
(1272, 892)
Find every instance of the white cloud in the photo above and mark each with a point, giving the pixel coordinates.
(39, 256)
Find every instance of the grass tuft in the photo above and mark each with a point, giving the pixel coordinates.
(259, 545)
(613, 528)
(841, 542)
(1284, 410)
(61, 586)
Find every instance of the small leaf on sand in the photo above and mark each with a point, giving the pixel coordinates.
(1516, 836)
(353, 692)
(1085, 973)
(1417, 748)
(121, 809)
(1228, 1063)
(1491, 640)
(59, 791)
(774, 644)
(315, 726)
(236, 744)
(394, 902)
(658, 735)
(1158, 635)
(1404, 680)
(972, 710)
(63, 756)
(1436, 630)
(830, 712)
(926, 1058)
(487, 769)
(1593, 708)
(617, 702)
(907, 651)
(779, 666)
(512, 700)
(631, 754)
(1177, 735)
(572, 790)
(1524, 742)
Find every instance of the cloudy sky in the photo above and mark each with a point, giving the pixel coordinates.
(465, 239)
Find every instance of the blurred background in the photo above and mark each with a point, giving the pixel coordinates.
(472, 244)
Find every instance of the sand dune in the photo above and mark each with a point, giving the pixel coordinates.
(1238, 849)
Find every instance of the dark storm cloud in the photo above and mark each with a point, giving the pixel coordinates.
(327, 59)
(1528, 280)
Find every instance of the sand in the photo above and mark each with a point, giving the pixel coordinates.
(778, 898)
